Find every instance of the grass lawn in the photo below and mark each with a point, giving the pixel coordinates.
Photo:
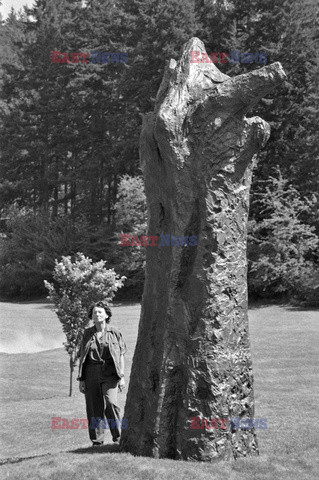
(34, 388)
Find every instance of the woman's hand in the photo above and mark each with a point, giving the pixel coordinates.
(121, 384)
(82, 386)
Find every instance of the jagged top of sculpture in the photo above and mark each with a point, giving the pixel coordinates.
(207, 69)
(185, 82)
(184, 71)
(197, 96)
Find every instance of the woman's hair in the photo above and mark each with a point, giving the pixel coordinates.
(101, 305)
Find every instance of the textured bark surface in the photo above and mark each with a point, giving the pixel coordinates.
(192, 357)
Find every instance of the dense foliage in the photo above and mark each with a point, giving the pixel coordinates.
(283, 249)
(69, 132)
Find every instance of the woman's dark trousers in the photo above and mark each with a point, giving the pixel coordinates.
(101, 404)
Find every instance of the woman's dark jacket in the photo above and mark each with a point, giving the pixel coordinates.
(116, 345)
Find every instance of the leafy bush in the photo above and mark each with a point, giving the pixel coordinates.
(282, 246)
(308, 287)
(76, 286)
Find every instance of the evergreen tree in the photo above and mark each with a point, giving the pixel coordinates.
(287, 31)
(282, 246)
(36, 107)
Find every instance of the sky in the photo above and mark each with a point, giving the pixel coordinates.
(6, 5)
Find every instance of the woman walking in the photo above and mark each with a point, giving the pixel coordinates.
(101, 373)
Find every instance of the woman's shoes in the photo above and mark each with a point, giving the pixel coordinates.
(97, 444)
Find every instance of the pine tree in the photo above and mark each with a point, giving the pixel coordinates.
(102, 123)
(282, 246)
(36, 107)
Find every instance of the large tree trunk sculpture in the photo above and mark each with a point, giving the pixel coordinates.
(192, 357)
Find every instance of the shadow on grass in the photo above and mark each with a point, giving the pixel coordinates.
(127, 303)
(267, 302)
(24, 301)
(94, 450)
(301, 308)
(3, 461)
(291, 305)
(90, 450)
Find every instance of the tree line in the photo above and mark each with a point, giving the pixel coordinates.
(69, 132)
